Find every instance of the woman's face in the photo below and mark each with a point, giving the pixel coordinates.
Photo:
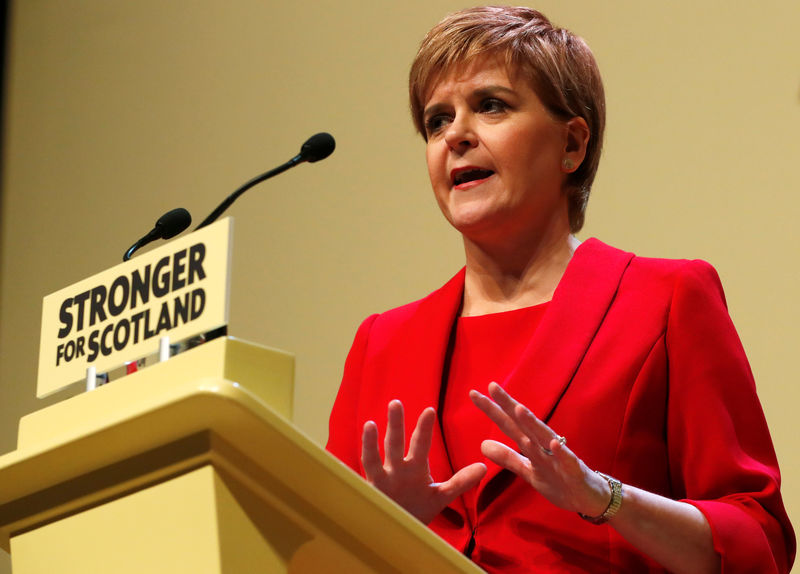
(495, 154)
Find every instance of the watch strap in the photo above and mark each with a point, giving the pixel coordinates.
(613, 505)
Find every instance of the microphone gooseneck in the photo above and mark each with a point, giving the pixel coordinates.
(317, 147)
(168, 226)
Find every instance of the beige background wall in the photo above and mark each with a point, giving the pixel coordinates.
(118, 111)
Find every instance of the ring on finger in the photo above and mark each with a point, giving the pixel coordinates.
(562, 440)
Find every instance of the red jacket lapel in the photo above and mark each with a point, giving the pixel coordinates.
(554, 354)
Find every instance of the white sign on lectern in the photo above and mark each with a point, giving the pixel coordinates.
(178, 290)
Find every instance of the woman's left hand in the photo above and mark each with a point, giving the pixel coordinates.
(544, 461)
(675, 534)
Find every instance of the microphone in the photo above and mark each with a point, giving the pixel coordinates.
(316, 148)
(168, 226)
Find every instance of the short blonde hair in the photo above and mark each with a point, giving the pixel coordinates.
(558, 64)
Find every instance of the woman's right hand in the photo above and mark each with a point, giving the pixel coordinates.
(406, 478)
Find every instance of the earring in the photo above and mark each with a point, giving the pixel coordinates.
(568, 164)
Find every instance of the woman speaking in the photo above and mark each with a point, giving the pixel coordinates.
(596, 411)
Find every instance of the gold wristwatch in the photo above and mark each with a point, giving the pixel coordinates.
(613, 505)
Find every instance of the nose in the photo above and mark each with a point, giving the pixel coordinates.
(460, 134)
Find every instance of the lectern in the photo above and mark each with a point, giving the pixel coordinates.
(193, 465)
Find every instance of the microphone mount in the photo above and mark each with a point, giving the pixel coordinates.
(168, 225)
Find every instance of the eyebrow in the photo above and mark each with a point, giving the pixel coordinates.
(481, 92)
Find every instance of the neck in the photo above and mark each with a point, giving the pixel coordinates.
(504, 278)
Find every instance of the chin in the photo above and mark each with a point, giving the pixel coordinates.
(472, 216)
(472, 227)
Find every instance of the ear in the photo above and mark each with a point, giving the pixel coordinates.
(577, 138)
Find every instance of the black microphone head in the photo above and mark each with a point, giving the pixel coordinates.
(317, 147)
(172, 223)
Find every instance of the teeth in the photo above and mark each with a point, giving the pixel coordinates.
(471, 175)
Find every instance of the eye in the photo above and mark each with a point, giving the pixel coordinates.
(493, 106)
(435, 123)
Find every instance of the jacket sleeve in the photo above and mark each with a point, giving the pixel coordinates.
(344, 434)
(721, 456)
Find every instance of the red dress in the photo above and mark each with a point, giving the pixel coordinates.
(636, 361)
(482, 352)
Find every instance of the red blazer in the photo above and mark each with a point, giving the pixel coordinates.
(637, 362)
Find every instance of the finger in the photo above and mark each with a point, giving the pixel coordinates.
(540, 435)
(487, 405)
(528, 423)
(492, 410)
(420, 444)
(462, 481)
(394, 443)
(543, 439)
(508, 458)
(503, 399)
(559, 447)
(370, 456)
(533, 425)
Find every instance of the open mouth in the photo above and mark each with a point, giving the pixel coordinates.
(471, 175)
